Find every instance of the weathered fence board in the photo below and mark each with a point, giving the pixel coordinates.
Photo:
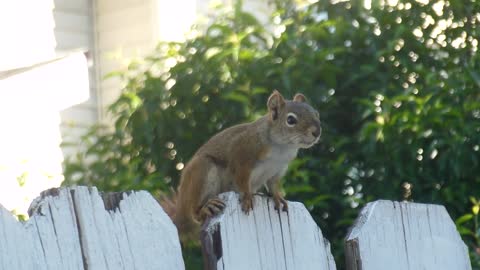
(78, 228)
(264, 239)
(82, 229)
(398, 235)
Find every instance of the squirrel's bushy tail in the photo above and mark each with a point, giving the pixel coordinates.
(168, 202)
(188, 229)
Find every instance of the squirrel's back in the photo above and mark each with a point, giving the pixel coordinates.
(220, 145)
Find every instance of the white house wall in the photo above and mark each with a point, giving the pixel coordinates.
(125, 31)
(74, 31)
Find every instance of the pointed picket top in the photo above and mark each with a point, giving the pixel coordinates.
(265, 238)
(404, 235)
(80, 228)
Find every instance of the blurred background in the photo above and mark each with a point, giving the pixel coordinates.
(120, 94)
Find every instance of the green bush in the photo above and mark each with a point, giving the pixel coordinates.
(397, 88)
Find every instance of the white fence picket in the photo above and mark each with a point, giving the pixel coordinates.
(264, 239)
(71, 229)
(401, 235)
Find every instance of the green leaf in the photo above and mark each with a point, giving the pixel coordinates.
(475, 76)
(237, 96)
(463, 219)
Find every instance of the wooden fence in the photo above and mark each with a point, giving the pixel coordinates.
(80, 228)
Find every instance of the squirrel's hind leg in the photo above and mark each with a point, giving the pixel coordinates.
(211, 208)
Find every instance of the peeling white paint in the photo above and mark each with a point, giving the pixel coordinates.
(267, 239)
(402, 235)
(72, 230)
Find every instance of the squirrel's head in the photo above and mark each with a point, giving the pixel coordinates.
(294, 122)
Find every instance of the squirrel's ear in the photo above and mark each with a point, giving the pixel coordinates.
(299, 98)
(274, 103)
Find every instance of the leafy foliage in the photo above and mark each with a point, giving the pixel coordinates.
(396, 84)
(469, 228)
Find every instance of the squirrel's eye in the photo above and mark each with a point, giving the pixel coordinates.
(291, 119)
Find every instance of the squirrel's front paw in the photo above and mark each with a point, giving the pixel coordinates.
(279, 201)
(247, 202)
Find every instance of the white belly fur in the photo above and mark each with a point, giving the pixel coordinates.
(276, 163)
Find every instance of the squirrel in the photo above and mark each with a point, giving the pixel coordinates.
(244, 158)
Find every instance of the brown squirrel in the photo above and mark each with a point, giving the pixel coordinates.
(244, 158)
